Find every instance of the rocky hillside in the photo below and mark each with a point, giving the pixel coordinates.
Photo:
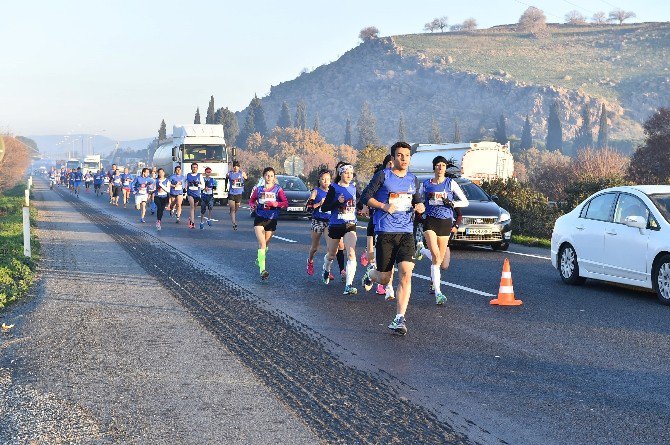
(474, 77)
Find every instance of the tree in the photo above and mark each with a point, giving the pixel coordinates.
(284, 120)
(430, 26)
(210, 111)
(402, 130)
(369, 157)
(619, 15)
(534, 22)
(456, 28)
(599, 18)
(526, 135)
(650, 163)
(435, 136)
(500, 135)
(162, 131)
(248, 129)
(301, 116)
(347, 132)
(575, 17)
(603, 137)
(554, 130)
(317, 123)
(231, 129)
(584, 136)
(367, 127)
(196, 120)
(469, 24)
(259, 116)
(368, 33)
(441, 23)
(457, 132)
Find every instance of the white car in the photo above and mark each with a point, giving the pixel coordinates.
(621, 235)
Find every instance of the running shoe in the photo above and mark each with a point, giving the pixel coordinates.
(191, 225)
(310, 267)
(381, 290)
(158, 225)
(171, 213)
(234, 226)
(202, 226)
(440, 298)
(331, 277)
(343, 275)
(398, 325)
(209, 223)
(350, 290)
(366, 280)
(390, 293)
(432, 289)
(177, 221)
(326, 277)
(264, 275)
(152, 212)
(418, 254)
(116, 204)
(364, 259)
(124, 206)
(142, 220)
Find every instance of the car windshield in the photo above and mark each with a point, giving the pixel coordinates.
(203, 153)
(473, 192)
(292, 184)
(662, 203)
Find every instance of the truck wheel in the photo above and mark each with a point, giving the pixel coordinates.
(661, 279)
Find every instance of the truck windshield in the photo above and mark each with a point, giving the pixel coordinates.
(91, 165)
(211, 153)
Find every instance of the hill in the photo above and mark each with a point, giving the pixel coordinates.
(474, 77)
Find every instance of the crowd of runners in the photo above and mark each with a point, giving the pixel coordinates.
(402, 213)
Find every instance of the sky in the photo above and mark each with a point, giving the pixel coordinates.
(118, 67)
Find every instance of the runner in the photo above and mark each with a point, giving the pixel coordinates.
(341, 203)
(52, 177)
(140, 188)
(438, 196)
(70, 180)
(78, 178)
(236, 180)
(266, 200)
(207, 198)
(394, 194)
(63, 177)
(193, 192)
(116, 184)
(110, 187)
(152, 190)
(88, 180)
(176, 192)
(98, 179)
(161, 198)
(127, 180)
(319, 217)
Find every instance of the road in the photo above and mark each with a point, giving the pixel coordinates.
(579, 365)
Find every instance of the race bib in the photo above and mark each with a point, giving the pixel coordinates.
(402, 201)
(237, 184)
(143, 189)
(266, 197)
(348, 212)
(435, 198)
(177, 185)
(194, 188)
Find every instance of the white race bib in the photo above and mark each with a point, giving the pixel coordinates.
(435, 198)
(237, 184)
(194, 188)
(402, 201)
(266, 197)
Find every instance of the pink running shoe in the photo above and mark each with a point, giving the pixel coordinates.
(343, 275)
(364, 259)
(310, 267)
(381, 290)
(158, 225)
(332, 277)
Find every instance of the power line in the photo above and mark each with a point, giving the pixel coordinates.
(547, 13)
(610, 4)
(580, 7)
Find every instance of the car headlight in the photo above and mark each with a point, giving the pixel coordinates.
(504, 216)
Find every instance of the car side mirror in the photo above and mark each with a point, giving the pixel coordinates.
(635, 221)
(494, 198)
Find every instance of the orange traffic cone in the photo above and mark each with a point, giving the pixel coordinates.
(506, 292)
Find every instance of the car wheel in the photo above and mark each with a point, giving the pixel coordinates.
(568, 266)
(661, 279)
(500, 246)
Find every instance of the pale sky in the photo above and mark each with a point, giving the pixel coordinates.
(84, 66)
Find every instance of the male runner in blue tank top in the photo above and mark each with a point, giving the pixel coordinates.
(394, 195)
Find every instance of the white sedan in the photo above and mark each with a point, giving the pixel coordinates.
(621, 235)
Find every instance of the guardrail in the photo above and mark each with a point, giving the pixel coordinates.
(26, 220)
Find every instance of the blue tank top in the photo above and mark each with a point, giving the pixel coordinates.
(344, 213)
(210, 185)
(433, 194)
(265, 196)
(193, 182)
(318, 213)
(399, 191)
(176, 184)
(236, 183)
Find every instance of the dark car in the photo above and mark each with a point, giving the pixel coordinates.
(296, 192)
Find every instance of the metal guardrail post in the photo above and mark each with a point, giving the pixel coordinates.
(26, 231)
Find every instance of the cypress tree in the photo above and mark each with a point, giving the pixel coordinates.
(317, 123)
(231, 129)
(402, 131)
(584, 136)
(367, 127)
(435, 136)
(603, 137)
(500, 135)
(210, 111)
(526, 135)
(284, 120)
(457, 132)
(196, 120)
(259, 116)
(301, 116)
(347, 133)
(162, 131)
(248, 129)
(554, 130)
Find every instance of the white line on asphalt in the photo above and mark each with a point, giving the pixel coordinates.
(284, 239)
(516, 253)
(457, 286)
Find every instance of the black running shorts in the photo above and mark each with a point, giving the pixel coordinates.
(393, 248)
(337, 231)
(235, 198)
(270, 225)
(441, 227)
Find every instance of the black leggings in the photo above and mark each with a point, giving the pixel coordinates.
(161, 202)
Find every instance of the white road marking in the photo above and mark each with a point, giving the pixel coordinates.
(516, 253)
(284, 239)
(456, 286)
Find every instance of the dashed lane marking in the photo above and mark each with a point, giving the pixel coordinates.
(285, 239)
(516, 253)
(456, 286)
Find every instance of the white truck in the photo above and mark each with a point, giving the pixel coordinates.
(201, 143)
(91, 164)
(476, 161)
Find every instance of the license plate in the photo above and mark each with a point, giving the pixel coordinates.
(478, 231)
(295, 209)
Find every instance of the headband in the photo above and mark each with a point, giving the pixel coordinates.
(345, 167)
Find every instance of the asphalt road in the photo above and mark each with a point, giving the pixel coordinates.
(578, 365)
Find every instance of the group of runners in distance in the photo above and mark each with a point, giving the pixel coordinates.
(394, 201)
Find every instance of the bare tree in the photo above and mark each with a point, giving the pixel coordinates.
(619, 15)
(469, 24)
(599, 18)
(368, 33)
(430, 26)
(441, 23)
(575, 17)
(455, 28)
(534, 21)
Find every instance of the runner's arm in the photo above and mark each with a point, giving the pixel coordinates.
(458, 191)
(371, 190)
(253, 199)
(330, 201)
(282, 201)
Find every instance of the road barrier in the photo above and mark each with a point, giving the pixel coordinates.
(26, 220)
(506, 291)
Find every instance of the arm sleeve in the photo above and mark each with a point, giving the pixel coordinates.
(359, 203)
(282, 202)
(329, 203)
(373, 187)
(253, 198)
(458, 191)
(416, 198)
